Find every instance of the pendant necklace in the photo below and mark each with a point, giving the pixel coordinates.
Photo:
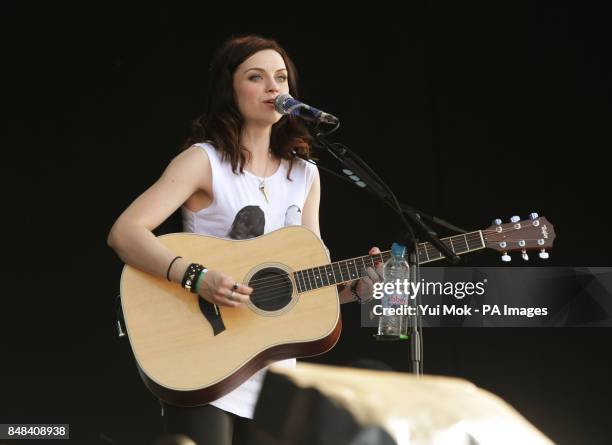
(262, 182)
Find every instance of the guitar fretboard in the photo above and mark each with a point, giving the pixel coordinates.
(354, 268)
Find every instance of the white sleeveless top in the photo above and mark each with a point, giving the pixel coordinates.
(239, 211)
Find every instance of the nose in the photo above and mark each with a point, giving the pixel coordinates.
(272, 85)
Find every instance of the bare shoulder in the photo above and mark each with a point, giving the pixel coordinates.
(192, 165)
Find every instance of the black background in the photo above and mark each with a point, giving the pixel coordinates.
(469, 112)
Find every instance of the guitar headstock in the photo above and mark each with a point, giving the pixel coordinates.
(535, 233)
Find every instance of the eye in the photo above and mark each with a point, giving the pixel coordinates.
(253, 77)
(282, 78)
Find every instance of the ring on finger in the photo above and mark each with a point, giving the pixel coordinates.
(235, 286)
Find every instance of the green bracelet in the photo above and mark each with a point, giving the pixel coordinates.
(199, 280)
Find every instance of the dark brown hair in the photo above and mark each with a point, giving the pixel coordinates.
(222, 122)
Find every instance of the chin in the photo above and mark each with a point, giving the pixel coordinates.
(268, 120)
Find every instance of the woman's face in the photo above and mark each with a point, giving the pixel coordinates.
(257, 82)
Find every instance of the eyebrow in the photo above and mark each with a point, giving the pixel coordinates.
(261, 69)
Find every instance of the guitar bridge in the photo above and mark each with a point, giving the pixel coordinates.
(212, 314)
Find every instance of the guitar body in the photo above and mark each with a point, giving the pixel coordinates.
(183, 360)
(189, 352)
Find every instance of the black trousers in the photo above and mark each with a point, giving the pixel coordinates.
(206, 425)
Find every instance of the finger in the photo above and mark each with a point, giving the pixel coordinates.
(224, 300)
(236, 297)
(365, 287)
(366, 283)
(240, 298)
(373, 275)
(244, 289)
(222, 295)
(230, 303)
(374, 251)
(379, 271)
(233, 285)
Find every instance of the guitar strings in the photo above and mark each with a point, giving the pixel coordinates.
(422, 249)
(307, 278)
(269, 283)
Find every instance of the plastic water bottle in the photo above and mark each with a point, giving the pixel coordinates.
(395, 268)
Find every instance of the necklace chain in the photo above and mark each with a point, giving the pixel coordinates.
(262, 182)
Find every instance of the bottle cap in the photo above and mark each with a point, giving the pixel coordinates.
(398, 249)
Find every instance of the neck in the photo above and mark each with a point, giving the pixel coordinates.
(257, 140)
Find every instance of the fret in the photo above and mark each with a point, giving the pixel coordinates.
(305, 279)
(450, 240)
(311, 280)
(329, 271)
(337, 272)
(481, 238)
(469, 241)
(330, 274)
(459, 242)
(324, 277)
(315, 277)
(365, 266)
(323, 273)
(425, 249)
(318, 279)
(475, 241)
(354, 273)
(348, 273)
(296, 276)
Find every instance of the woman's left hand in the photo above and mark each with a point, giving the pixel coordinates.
(365, 286)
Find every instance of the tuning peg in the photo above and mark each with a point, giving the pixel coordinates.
(515, 219)
(506, 258)
(497, 221)
(543, 254)
(533, 216)
(524, 255)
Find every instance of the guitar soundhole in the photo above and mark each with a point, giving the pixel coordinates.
(272, 289)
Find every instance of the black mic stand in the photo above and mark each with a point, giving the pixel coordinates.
(358, 168)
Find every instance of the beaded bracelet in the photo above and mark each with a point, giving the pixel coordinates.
(191, 274)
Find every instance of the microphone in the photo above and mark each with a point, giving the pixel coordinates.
(285, 104)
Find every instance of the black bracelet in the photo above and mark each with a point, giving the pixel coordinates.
(191, 275)
(170, 266)
(353, 288)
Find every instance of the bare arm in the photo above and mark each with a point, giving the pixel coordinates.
(131, 236)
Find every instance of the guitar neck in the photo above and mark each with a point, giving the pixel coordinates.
(347, 270)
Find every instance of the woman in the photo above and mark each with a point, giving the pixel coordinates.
(241, 174)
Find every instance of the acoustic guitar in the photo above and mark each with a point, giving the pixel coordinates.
(190, 352)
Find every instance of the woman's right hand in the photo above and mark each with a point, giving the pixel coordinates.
(222, 290)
